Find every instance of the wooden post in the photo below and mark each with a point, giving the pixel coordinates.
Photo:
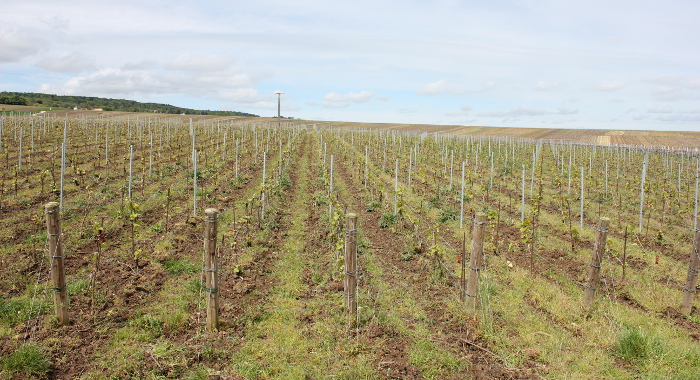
(210, 268)
(351, 264)
(596, 260)
(58, 270)
(692, 280)
(475, 259)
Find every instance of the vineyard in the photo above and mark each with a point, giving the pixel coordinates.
(133, 193)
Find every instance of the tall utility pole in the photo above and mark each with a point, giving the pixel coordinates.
(279, 95)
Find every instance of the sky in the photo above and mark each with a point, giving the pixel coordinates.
(602, 64)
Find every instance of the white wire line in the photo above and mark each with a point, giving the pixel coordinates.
(681, 221)
(30, 315)
(29, 328)
(551, 264)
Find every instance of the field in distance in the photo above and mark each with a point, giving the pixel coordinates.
(598, 136)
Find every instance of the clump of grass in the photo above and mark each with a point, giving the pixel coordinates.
(149, 323)
(78, 286)
(198, 374)
(635, 346)
(175, 267)
(373, 205)
(28, 360)
(387, 220)
(194, 285)
(447, 215)
(18, 310)
(12, 310)
(432, 361)
(285, 182)
(411, 251)
(320, 198)
(435, 202)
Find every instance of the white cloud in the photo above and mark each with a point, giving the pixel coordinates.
(612, 40)
(16, 44)
(664, 79)
(107, 82)
(466, 107)
(331, 104)
(250, 98)
(610, 85)
(311, 103)
(660, 109)
(229, 86)
(72, 63)
(666, 113)
(672, 87)
(245, 95)
(443, 87)
(200, 64)
(678, 116)
(434, 88)
(261, 105)
(336, 100)
(548, 86)
(141, 65)
(55, 22)
(516, 111)
(668, 93)
(525, 111)
(567, 111)
(354, 97)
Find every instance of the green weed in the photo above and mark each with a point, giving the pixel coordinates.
(149, 323)
(28, 360)
(285, 182)
(387, 220)
(18, 310)
(635, 346)
(447, 215)
(373, 205)
(435, 202)
(175, 267)
(78, 286)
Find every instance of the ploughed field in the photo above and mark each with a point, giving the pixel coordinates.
(134, 191)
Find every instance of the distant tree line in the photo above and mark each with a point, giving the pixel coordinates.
(12, 98)
(106, 104)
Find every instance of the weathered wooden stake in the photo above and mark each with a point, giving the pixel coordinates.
(691, 281)
(475, 259)
(350, 281)
(596, 260)
(58, 270)
(210, 268)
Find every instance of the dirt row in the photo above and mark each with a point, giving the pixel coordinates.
(447, 331)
